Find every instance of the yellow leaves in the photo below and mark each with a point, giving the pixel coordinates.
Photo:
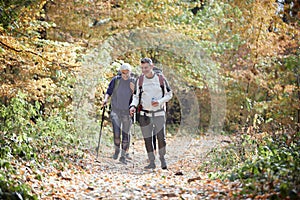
(289, 89)
(259, 18)
(27, 65)
(107, 179)
(22, 171)
(283, 89)
(1, 29)
(278, 88)
(10, 42)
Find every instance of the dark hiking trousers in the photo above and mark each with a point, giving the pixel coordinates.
(121, 123)
(154, 126)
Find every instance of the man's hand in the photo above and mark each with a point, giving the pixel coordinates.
(154, 103)
(104, 102)
(106, 97)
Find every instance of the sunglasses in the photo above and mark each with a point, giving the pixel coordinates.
(146, 60)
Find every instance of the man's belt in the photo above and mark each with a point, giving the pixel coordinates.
(151, 112)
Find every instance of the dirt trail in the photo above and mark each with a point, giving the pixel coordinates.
(110, 179)
(113, 180)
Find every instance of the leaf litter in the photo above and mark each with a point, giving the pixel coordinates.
(110, 179)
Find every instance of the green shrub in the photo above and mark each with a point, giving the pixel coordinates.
(28, 137)
(269, 164)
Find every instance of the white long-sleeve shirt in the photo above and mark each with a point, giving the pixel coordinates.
(151, 89)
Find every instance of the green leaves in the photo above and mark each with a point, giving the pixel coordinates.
(270, 168)
(292, 62)
(28, 137)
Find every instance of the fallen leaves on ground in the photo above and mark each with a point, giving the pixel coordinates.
(109, 179)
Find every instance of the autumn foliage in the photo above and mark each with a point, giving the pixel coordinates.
(255, 49)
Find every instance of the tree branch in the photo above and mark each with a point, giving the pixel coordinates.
(9, 47)
(63, 65)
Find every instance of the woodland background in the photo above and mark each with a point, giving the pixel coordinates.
(254, 43)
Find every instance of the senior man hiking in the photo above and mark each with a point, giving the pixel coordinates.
(120, 90)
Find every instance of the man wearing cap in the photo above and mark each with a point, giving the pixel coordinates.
(120, 90)
(153, 98)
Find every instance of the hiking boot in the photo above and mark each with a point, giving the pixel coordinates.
(163, 163)
(116, 155)
(150, 166)
(123, 160)
(128, 157)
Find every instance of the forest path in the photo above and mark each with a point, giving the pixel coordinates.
(106, 178)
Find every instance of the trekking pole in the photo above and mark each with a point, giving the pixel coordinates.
(133, 135)
(101, 126)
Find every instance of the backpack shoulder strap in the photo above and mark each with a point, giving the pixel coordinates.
(141, 80)
(116, 83)
(140, 83)
(162, 83)
(161, 79)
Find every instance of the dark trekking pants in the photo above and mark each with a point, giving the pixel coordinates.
(154, 126)
(121, 123)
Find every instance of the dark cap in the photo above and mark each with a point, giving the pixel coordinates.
(146, 60)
